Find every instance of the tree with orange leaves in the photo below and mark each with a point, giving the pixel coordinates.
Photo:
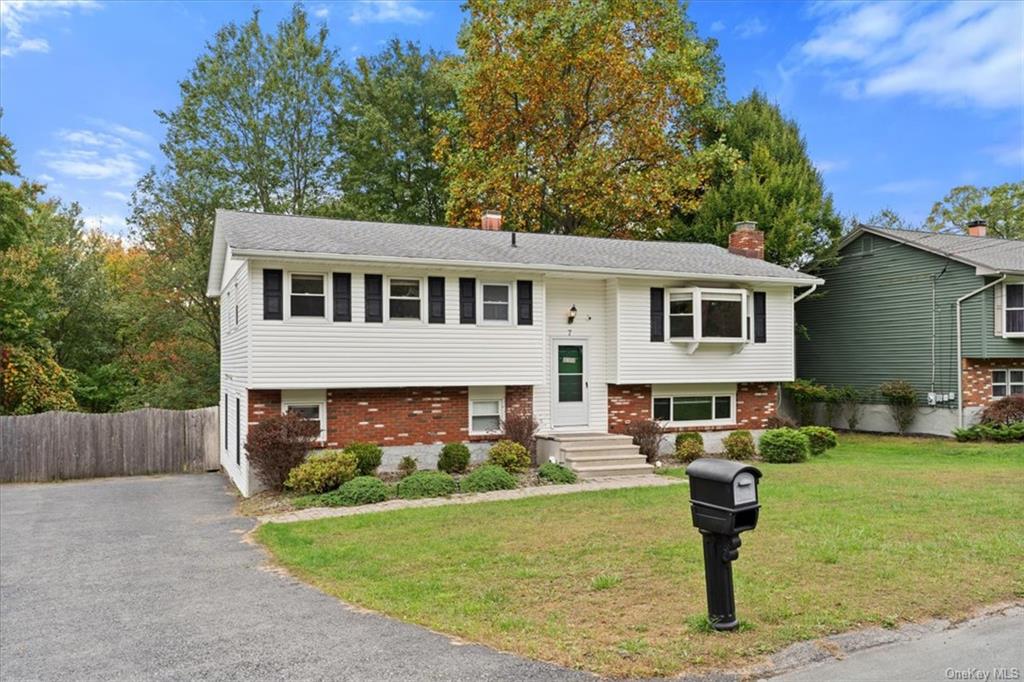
(581, 117)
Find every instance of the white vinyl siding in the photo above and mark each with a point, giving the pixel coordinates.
(234, 346)
(641, 361)
(297, 354)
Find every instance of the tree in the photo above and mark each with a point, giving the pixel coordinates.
(776, 184)
(1002, 206)
(579, 118)
(386, 129)
(255, 115)
(889, 218)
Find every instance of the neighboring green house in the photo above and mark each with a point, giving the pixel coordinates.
(888, 310)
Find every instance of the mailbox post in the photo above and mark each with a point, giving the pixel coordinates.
(723, 502)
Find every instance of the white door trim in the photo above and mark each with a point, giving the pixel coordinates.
(583, 421)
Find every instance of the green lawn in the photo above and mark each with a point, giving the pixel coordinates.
(878, 531)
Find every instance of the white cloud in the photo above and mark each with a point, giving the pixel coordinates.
(1010, 154)
(750, 27)
(717, 26)
(963, 53)
(384, 11)
(99, 155)
(16, 16)
(44, 178)
(830, 166)
(113, 223)
(117, 196)
(322, 12)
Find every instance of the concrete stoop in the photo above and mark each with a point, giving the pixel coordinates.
(595, 455)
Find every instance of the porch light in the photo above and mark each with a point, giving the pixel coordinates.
(572, 313)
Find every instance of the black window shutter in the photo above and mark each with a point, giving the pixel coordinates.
(435, 300)
(374, 297)
(238, 433)
(342, 297)
(467, 300)
(760, 318)
(524, 301)
(273, 294)
(657, 314)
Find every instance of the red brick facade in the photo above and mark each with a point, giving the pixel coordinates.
(977, 378)
(395, 416)
(755, 403)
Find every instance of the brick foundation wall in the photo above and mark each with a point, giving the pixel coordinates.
(518, 400)
(263, 403)
(397, 416)
(977, 378)
(755, 403)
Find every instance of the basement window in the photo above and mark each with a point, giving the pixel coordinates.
(694, 410)
(311, 405)
(1007, 382)
(485, 417)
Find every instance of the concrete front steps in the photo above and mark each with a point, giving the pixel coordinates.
(595, 455)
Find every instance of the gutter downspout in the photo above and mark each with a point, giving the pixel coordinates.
(960, 351)
(805, 294)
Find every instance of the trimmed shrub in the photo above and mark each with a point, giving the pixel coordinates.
(1001, 433)
(647, 435)
(821, 438)
(851, 404)
(512, 457)
(781, 446)
(805, 394)
(902, 399)
(454, 458)
(739, 445)
(278, 444)
(689, 446)
(360, 490)
(322, 471)
(368, 457)
(426, 484)
(487, 477)
(407, 466)
(521, 428)
(556, 473)
(1008, 410)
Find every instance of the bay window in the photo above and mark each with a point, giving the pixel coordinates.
(707, 315)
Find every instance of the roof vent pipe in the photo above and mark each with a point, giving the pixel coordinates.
(513, 238)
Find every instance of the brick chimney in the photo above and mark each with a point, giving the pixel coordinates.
(747, 240)
(977, 228)
(491, 220)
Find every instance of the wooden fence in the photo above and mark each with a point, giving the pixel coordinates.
(62, 445)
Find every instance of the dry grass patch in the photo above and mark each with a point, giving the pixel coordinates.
(879, 531)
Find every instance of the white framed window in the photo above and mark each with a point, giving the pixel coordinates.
(1013, 309)
(405, 298)
(311, 405)
(486, 410)
(707, 315)
(496, 303)
(696, 409)
(1007, 382)
(307, 295)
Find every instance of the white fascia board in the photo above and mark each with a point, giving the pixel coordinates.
(551, 269)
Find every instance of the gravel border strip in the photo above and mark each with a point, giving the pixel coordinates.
(608, 483)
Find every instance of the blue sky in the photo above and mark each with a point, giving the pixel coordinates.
(898, 102)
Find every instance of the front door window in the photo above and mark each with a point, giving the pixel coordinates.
(570, 374)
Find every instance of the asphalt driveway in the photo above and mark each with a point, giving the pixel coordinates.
(150, 577)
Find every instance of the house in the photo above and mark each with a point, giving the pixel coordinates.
(410, 336)
(944, 312)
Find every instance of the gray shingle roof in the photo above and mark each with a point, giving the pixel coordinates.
(261, 232)
(987, 253)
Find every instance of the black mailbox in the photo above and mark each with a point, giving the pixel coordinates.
(724, 503)
(723, 495)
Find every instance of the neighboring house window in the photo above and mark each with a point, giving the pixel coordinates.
(1014, 308)
(695, 410)
(313, 412)
(485, 416)
(404, 299)
(707, 314)
(497, 302)
(307, 296)
(1007, 382)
